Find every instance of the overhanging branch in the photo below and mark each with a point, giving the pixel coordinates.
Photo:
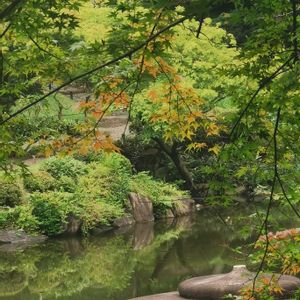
(87, 73)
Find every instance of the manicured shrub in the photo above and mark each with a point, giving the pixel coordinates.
(39, 182)
(66, 184)
(105, 184)
(10, 192)
(51, 210)
(64, 166)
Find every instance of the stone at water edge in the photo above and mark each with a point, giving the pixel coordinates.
(142, 208)
(18, 236)
(183, 207)
(217, 286)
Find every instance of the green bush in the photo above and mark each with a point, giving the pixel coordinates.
(162, 194)
(39, 182)
(64, 166)
(105, 184)
(51, 210)
(5, 219)
(10, 192)
(66, 184)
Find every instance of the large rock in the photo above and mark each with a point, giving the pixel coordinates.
(142, 208)
(183, 207)
(13, 239)
(217, 286)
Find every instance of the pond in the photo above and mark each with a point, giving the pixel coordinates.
(134, 261)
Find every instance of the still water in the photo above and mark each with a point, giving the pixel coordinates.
(118, 265)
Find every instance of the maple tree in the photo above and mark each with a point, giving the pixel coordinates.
(230, 96)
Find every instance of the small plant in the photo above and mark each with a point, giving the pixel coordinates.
(66, 184)
(51, 210)
(10, 192)
(64, 166)
(40, 181)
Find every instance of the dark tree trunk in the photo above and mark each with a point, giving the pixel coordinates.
(176, 158)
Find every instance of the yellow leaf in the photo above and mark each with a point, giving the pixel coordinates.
(216, 149)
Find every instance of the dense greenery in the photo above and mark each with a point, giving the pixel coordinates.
(212, 93)
(95, 192)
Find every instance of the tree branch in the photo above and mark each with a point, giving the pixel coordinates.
(261, 86)
(10, 9)
(111, 62)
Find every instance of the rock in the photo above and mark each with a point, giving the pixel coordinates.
(72, 226)
(217, 286)
(14, 239)
(165, 296)
(124, 221)
(184, 207)
(142, 208)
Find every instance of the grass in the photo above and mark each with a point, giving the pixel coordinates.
(50, 108)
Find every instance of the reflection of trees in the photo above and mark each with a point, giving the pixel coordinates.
(119, 265)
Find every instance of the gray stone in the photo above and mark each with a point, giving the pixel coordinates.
(217, 286)
(13, 239)
(164, 296)
(183, 207)
(142, 208)
(124, 221)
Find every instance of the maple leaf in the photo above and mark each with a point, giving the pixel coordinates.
(216, 149)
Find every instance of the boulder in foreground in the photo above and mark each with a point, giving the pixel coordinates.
(217, 286)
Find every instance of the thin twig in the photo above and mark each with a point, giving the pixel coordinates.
(261, 86)
(266, 220)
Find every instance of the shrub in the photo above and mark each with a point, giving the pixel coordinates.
(66, 184)
(5, 219)
(111, 160)
(10, 192)
(39, 182)
(105, 184)
(51, 210)
(95, 212)
(23, 218)
(64, 166)
(162, 194)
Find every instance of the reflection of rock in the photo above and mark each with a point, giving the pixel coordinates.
(184, 222)
(184, 207)
(216, 286)
(73, 246)
(73, 225)
(18, 239)
(165, 296)
(142, 208)
(143, 235)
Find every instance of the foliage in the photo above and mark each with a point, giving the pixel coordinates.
(51, 210)
(162, 194)
(40, 181)
(64, 166)
(10, 192)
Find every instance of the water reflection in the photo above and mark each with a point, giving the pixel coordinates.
(138, 260)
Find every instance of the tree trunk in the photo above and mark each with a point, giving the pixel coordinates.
(175, 156)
